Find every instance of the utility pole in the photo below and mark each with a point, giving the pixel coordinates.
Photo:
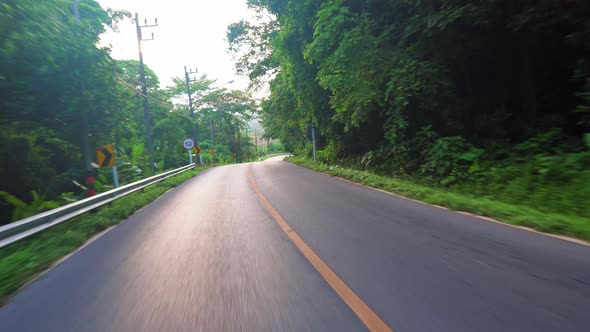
(212, 137)
(231, 137)
(247, 145)
(146, 109)
(190, 98)
(84, 115)
(211, 124)
(256, 141)
(239, 142)
(190, 107)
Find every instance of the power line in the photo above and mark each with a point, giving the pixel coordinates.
(140, 93)
(133, 81)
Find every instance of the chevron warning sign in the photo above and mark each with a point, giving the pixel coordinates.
(105, 156)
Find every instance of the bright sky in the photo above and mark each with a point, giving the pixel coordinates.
(189, 32)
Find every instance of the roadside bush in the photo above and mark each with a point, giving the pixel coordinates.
(389, 160)
(548, 172)
(452, 159)
(23, 209)
(330, 153)
(558, 183)
(276, 146)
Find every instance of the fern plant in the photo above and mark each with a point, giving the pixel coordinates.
(23, 210)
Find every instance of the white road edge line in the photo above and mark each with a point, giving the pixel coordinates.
(524, 228)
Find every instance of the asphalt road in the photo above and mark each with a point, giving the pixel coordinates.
(208, 256)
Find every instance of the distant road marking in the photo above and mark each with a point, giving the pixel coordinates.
(354, 302)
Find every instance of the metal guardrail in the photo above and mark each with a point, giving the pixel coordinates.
(23, 228)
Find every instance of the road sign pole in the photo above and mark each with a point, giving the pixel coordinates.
(115, 177)
(189, 145)
(313, 139)
(200, 160)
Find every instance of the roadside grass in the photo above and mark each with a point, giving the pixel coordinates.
(22, 261)
(556, 223)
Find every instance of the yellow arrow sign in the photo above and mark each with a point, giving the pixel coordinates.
(105, 156)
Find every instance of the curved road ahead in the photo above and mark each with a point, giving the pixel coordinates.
(211, 255)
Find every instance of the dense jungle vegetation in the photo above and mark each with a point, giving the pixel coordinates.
(52, 73)
(489, 97)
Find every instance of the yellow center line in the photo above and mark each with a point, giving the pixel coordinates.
(354, 302)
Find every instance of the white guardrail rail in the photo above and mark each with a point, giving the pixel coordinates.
(23, 228)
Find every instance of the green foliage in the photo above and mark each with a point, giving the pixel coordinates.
(44, 60)
(486, 97)
(53, 74)
(391, 160)
(23, 210)
(450, 158)
(276, 147)
(547, 183)
(372, 72)
(542, 143)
